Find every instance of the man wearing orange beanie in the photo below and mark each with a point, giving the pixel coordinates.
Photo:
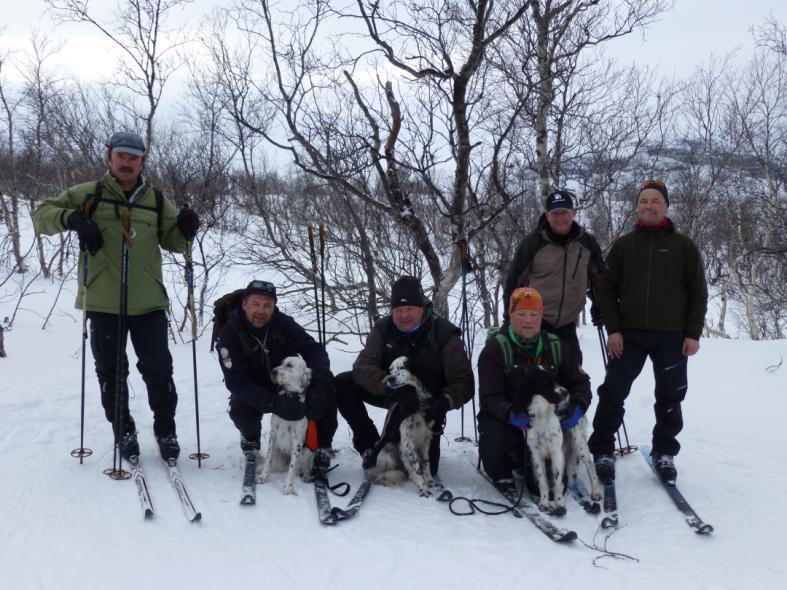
(503, 368)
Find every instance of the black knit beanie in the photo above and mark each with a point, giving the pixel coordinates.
(407, 291)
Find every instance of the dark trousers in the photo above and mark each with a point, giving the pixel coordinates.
(502, 448)
(248, 420)
(669, 371)
(567, 334)
(154, 362)
(351, 400)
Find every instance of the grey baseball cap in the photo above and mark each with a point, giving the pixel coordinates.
(127, 142)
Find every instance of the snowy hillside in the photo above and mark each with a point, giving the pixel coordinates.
(67, 526)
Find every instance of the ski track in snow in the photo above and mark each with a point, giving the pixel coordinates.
(67, 526)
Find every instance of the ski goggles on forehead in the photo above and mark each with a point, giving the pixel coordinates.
(654, 183)
(261, 287)
(650, 183)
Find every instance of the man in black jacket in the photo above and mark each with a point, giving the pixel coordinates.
(256, 339)
(437, 357)
(654, 298)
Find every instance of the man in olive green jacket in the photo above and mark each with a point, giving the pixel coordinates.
(123, 207)
(653, 298)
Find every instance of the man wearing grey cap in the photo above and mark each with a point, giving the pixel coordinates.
(123, 212)
(563, 262)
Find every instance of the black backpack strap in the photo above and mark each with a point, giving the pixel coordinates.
(159, 203)
(93, 200)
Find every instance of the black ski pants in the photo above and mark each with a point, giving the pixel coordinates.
(351, 400)
(669, 371)
(154, 362)
(502, 448)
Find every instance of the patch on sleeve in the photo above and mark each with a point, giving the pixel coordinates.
(226, 360)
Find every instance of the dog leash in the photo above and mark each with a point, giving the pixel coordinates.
(322, 475)
(474, 505)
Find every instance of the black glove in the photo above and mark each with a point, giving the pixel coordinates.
(289, 407)
(89, 234)
(436, 409)
(188, 222)
(315, 403)
(596, 317)
(407, 398)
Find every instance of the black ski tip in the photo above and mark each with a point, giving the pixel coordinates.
(148, 514)
(248, 501)
(704, 529)
(609, 522)
(567, 538)
(197, 517)
(340, 513)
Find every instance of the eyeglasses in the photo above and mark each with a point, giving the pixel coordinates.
(264, 286)
(652, 183)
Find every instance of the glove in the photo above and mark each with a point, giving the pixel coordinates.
(315, 403)
(289, 407)
(436, 409)
(519, 419)
(188, 222)
(596, 317)
(407, 398)
(90, 236)
(571, 416)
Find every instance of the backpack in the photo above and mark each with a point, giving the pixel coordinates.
(92, 201)
(494, 333)
(222, 309)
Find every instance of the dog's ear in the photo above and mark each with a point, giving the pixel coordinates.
(541, 382)
(306, 378)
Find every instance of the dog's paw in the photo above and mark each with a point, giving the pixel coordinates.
(424, 492)
(262, 477)
(289, 490)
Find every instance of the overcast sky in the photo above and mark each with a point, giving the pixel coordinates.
(676, 44)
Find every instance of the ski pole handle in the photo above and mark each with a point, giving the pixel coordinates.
(312, 254)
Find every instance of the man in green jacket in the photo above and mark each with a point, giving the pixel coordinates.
(124, 208)
(653, 298)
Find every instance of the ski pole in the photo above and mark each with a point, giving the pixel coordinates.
(128, 239)
(622, 450)
(313, 256)
(82, 452)
(464, 253)
(199, 455)
(322, 282)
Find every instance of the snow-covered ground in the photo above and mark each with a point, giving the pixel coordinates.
(67, 526)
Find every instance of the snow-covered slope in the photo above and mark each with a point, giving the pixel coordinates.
(67, 526)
